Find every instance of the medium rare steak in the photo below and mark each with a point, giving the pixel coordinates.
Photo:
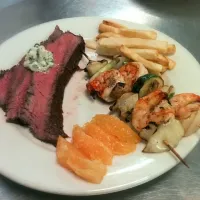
(21, 80)
(43, 107)
(54, 36)
(5, 80)
(37, 98)
(9, 77)
(17, 97)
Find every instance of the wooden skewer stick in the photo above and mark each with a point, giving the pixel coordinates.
(175, 153)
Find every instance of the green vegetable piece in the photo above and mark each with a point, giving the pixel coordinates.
(171, 95)
(94, 66)
(121, 61)
(147, 84)
(107, 67)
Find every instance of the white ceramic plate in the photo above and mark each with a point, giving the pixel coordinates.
(29, 162)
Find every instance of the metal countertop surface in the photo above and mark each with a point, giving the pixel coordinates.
(177, 18)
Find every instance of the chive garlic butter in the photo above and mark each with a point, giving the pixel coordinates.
(38, 59)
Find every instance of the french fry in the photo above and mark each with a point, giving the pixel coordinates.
(164, 69)
(91, 44)
(116, 42)
(152, 55)
(134, 56)
(107, 51)
(161, 60)
(171, 49)
(171, 64)
(146, 53)
(113, 24)
(131, 33)
(105, 28)
(107, 35)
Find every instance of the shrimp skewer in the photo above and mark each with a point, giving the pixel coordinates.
(104, 84)
(129, 73)
(184, 104)
(112, 84)
(155, 108)
(162, 113)
(143, 108)
(184, 99)
(161, 117)
(187, 110)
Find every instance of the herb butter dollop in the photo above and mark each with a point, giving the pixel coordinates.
(38, 59)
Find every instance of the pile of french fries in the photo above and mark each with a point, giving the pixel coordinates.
(137, 45)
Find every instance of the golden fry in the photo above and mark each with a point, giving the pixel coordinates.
(148, 54)
(116, 42)
(91, 44)
(107, 35)
(171, 49)
(105, 28)
(152, 55)
(164, 69)
(107, 51)
(113, 24)
(131, 33)
(171, 64)
(139, 45)
(134, 56)
(160, 59)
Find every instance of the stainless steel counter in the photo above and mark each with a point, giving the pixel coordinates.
(177, 18)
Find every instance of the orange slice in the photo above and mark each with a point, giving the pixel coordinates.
(117, 128)
(91, 147)
(113, 143)
(96, 132)
(71, 158)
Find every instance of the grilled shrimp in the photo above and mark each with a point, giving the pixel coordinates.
(128, 72)
(162, 113)
(142, 112)
(104, 84)
(185, 104)
(185, 112)
(131, 72)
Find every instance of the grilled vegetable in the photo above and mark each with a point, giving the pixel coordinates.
(147, 84)
(122, 61)
(106, 67)
(95, 66)
(147, 132)
(119, 90)
(130, 73)
(125, 104)
(172, 132)
(103, 84)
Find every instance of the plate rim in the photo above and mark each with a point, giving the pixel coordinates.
(129, 185)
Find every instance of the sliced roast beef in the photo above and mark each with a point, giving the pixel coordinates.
(7, 77)
(21, 80)
(5, 81)
(16, 80)
(54, 36)
(36, 99)
(17, 97)
(43, 106)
